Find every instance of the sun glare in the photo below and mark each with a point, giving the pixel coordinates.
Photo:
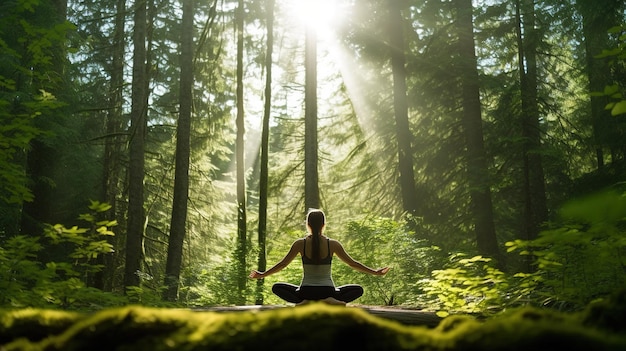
(322, 15)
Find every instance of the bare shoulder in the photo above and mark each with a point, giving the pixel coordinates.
(298, 244)
(335, 245)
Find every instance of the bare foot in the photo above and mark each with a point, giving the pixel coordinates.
(333, 301)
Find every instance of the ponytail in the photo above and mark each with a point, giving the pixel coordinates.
(315, 220)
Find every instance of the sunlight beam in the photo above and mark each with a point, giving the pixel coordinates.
(321, 15)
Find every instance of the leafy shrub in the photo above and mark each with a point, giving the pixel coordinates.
(213, 286)
(379, 242)
(468, 285)
(580, 259)
(27, 282)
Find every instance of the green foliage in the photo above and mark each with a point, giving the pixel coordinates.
(27, 48)
(617, 59)
(25, 280)
(147, 295)
(364, 181)
(582, 257)
(379, 242)
(468, 285)
(214, 285)
(16, 132)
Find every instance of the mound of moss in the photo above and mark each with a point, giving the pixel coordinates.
(311, 327)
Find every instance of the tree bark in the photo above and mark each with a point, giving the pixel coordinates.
(241, 178)
(265, 132)
(534, 191)
(403, 131)
(136, 213)
(183, 151)
(112, 146)
(477, 173)
(311, 177)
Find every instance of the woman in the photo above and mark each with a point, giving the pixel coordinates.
(317, 252)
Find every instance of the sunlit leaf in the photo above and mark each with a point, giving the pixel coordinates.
(442, 314)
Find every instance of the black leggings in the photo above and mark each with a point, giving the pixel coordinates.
(296, 294)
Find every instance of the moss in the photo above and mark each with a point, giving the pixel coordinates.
(315, 327)
(609, 314)
(532, 329)
(33, 324)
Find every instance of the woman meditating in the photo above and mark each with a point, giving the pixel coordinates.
(317, 252)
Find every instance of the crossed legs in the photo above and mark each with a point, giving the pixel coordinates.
(333, 295)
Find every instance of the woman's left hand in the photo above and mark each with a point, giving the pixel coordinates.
(256, 275)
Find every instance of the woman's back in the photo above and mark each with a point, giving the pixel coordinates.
(325, 253)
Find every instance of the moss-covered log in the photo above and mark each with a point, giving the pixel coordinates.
(601, 326)
(311, 327)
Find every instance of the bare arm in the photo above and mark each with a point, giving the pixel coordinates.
(338, 249)
(296, 247)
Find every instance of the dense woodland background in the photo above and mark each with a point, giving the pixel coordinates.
(156, 151)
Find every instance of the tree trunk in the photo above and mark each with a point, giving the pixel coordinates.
(598, 17)
(534, 191)
(112, 146)
(477, 173)
(403, 131)
(241, 177)
(311, 177)
(183, 150)
(136, 214)
(265, 132)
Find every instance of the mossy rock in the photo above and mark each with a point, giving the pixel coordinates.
(311, 327)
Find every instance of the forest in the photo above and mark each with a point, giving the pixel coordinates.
(154, 152)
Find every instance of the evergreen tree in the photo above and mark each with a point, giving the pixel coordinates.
(477, 172)
(136, 213)
(264, 172)
(404, 136)
(181, 180)
(241, 250)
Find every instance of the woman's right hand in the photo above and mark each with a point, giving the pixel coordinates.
(382, 271)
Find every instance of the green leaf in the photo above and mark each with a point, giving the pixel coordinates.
(98, 206)
(107, 223)
(619, 108)
(608, 53)
(87, 217)
(75, 230)
(611, 89)
(442, 314)
(105, 231)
